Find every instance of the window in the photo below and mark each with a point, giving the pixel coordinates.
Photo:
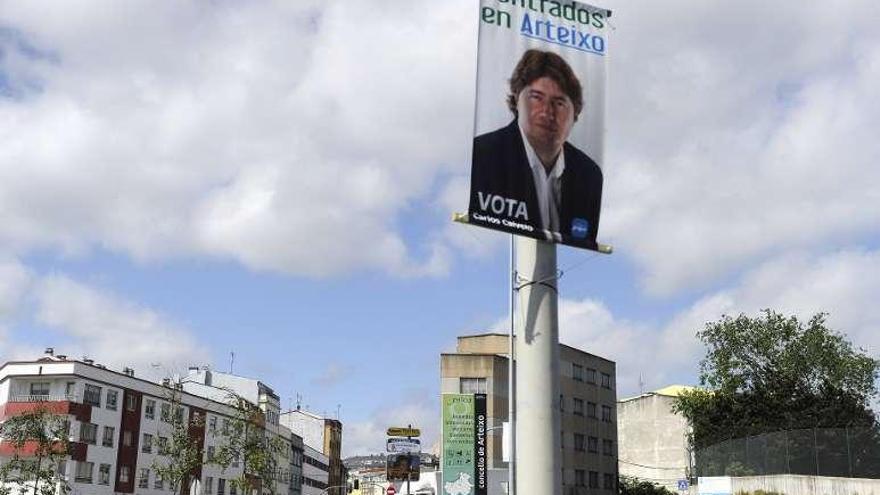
(579, 443)
(111, 399)
(158, 483)
(130, 402)
(580, 477)
(578, 405)
(606, 414)
(473, 385)
(165, 415)
(109, 436)
(40, 390)
(62, 469)
(124, 474)
(221, 486)
(608, 481)
(591, 409)
(88, 433)
(178, 414)
(84, 472)
(591, 375)
(147, 446)
(593, 445)
(225, 426)
(212, 424)
(104, 474)
(594, 479)
(92, 395)
(232, 489)
(606, 380)
(162, 445)
(126, 438)
(70, 390)
(144, 478)
(210, 453)
(209, 485)
(577, 372)
(150, 409)
(234, 460)
(607, 447)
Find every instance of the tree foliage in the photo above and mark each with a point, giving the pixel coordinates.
(772, 373)
(181, 456)
(247, 441)
(635, 486)
(40, 442)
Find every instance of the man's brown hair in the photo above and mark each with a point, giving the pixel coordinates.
(536, 64)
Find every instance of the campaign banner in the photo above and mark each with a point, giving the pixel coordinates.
(458, 444)
(481, 466)
(538, 149)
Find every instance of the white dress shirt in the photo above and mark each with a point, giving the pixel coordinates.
(549, 188)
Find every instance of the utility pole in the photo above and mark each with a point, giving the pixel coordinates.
(538, 421)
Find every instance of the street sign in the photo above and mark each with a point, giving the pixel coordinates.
(396, 431)
(390, 490)
(402, 467)
(682, 485)
(404, 445)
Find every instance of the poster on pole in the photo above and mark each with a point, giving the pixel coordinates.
(458, 444)
(538, 148)
(481, 466)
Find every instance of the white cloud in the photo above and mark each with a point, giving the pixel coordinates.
(739, 131)
(416, 407)
(285, 136)
(113, 331)
(15, 280)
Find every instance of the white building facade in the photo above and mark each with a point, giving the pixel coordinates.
(120, 426)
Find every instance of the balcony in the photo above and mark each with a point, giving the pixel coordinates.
(57, 404)
(44, 398)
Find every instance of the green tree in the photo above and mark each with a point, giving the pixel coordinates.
(635, 486)
(772, 373)
(181, 455)
(246, 440)
(40, 444)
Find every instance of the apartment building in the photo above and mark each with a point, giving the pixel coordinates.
(587, 402)
(120, 424)
(321, 435)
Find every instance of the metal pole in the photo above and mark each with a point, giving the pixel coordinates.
(537, 346)
(511, 375)
(409, 438)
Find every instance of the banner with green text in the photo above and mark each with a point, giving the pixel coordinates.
(458, 444)
(538, 150)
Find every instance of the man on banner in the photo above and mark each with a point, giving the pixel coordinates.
(525, 177)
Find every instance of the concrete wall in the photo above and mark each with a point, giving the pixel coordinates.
(653, 440)
(790, 484)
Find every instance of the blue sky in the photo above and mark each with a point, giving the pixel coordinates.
(182, 181)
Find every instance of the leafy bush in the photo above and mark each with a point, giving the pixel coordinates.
(633, 486)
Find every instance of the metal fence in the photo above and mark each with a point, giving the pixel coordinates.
(840, 452)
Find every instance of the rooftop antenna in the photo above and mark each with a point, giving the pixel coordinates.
(299, 399)
(338, 407)
(641, 384)
(231, 360)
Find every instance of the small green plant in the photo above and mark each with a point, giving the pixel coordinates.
(635, 486)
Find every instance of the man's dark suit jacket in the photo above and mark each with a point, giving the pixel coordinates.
(500, 167)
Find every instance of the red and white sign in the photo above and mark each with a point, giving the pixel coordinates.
(390, 490)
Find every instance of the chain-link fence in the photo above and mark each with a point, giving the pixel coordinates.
(841, 452)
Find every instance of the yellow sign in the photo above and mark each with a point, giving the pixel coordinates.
(404, 432)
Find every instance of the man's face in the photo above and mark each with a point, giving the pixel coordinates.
(546, 115)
